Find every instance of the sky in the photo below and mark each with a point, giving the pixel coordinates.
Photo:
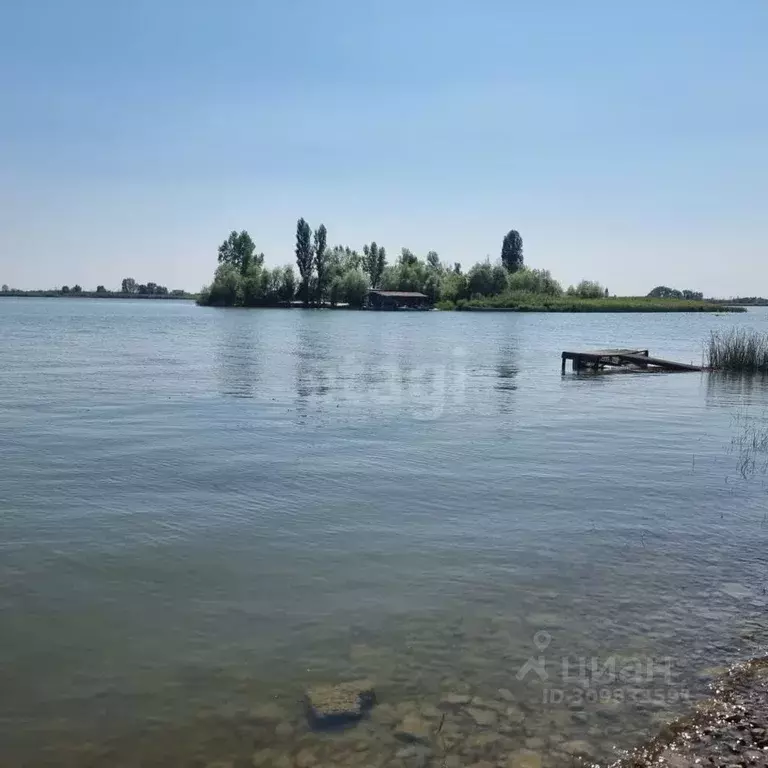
(626, 141)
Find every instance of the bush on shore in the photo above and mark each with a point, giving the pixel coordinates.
(588, 289)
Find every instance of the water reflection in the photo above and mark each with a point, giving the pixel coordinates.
(725, 388)
(507, 370)
(395, 379)
(497, 536)
(750, 444)
(237, 357)
(312, 358)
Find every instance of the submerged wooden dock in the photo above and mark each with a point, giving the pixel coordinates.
(598, 359)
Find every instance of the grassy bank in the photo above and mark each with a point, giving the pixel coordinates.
(533, 302)
(739, 349)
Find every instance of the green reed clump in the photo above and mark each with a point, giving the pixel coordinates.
(739, 349)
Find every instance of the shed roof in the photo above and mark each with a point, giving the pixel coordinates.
(400, 294)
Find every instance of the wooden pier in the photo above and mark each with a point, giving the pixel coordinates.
(598, 359)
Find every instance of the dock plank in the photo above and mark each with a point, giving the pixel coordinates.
(668, 365)
(601, 358)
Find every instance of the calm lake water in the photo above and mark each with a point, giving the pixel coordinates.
(202, 512)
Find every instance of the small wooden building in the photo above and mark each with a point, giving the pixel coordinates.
(396, 300)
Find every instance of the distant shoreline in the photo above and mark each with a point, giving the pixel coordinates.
(573, 307)
(94, 295)
(533, 302)
(615, 309)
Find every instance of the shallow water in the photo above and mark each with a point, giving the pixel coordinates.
(205, 511)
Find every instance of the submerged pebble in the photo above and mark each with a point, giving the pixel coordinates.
(414, 728)
(524, 758)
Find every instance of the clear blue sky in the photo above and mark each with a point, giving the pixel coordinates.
(626, 141)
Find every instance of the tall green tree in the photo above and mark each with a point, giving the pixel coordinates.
(512, 251)
(433, 260)
(374, 261)
(128, 285)
(321, 260)
(382, 261)
(304, 255)
(288, 284)
(238, 251)
(343, 258)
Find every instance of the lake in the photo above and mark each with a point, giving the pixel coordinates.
(204, 511)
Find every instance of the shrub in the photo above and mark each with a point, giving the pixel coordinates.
(354, 288)
(499, 279)
(288, 284)
(534, 281)
(587, 289)
(454, 287)
(204, 297)
(226, 289)
(480, 280)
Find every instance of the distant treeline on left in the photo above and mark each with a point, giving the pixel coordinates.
(129, 289)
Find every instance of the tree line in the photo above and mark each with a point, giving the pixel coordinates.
(663, 292)
(334, 275)
(128, 287)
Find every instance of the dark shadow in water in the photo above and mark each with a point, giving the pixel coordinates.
(237, 357)
(606, 375)
(372, 377)
(405, 370)
(507, 370)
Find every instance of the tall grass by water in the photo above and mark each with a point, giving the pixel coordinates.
(522, 301)
(739, 349)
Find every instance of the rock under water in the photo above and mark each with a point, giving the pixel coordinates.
(334, 705)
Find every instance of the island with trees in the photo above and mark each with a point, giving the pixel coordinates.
(341, 277)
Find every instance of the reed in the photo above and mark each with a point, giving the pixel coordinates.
(739, 349)
(521, 301)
